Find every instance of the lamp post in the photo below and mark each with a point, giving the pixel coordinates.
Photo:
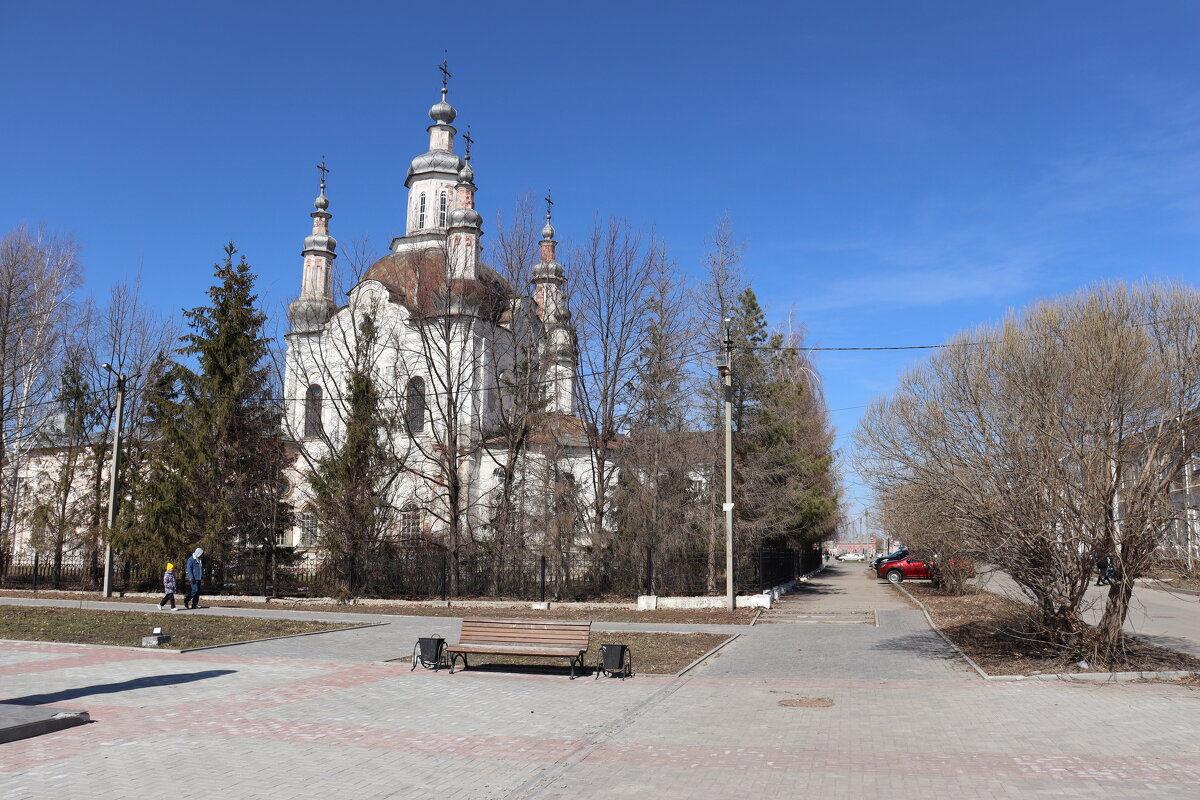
(725, 370)
(114, 468)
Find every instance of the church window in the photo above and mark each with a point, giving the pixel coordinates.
(308, 528)
(312, 412)
(442, 211)
(421, 211)
(410, 521)
(414, 405)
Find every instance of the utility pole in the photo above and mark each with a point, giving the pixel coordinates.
(114, 468)
(725, 370)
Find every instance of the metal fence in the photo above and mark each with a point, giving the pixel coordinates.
(422, 573)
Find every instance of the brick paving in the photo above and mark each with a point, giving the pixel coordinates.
(321, 716)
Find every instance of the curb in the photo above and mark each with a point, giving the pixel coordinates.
(1161, 586)
(276, 638)
(699, 660)
(978, 669)
(1102, 677)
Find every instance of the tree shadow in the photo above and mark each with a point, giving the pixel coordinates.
(927, 644)
(113, 688)
(814, 587)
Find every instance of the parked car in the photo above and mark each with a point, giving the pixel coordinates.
(852, 557)
(896, 556)
(910, 567)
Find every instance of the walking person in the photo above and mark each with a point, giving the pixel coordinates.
(195, 575)
(168, 587)
(1104, 572)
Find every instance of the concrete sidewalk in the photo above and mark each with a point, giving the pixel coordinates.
(839, 709)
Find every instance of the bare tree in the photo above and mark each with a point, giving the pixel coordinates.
(717, 296)
(39, 273)
(611, 286)
(1052, 439)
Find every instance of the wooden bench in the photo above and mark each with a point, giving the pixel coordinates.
(522, 637)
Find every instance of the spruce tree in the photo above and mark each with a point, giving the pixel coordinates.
(783, 443)
(219, 454)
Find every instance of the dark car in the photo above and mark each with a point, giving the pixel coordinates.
(896, 556)
(910, 567)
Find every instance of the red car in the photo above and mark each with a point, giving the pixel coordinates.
(910, 567)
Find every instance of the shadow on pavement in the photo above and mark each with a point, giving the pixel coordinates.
(123, 686)
(926, 644)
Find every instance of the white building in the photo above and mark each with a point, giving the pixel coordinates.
(453, 344)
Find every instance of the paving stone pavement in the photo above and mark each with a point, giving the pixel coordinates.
(316, 717)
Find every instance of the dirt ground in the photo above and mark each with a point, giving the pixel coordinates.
(995, 632)
(84, 626)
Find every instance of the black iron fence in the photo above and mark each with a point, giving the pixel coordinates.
(424, 573)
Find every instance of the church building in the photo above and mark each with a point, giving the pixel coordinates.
(456, 352)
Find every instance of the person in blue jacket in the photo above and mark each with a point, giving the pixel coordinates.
(195, 576)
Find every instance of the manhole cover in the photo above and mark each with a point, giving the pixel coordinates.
(807, 702)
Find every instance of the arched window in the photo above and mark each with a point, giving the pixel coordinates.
(414, 405)
(442, 211)
(307, 522)
(421, 210)
(312, 412)
(410, 521)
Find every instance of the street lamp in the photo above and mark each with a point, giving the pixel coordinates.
(114, 469)
(725, 371)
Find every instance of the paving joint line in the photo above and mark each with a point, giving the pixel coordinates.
(538, 784)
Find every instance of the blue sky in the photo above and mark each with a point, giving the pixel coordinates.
(899, 171)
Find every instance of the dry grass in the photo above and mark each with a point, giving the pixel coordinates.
(992, 631)
(564, 611)
(187, 630)
(653, 653)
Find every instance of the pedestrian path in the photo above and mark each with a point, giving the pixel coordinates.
(842, 624)
(840, 710)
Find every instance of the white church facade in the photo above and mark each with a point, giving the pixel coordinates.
(453, 348)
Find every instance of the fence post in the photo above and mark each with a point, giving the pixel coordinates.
(443, 580)
(35, 569)
(543, 592)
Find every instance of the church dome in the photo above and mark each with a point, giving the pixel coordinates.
(417, 280)
(442, 112)
(461, 217)
(435, 162)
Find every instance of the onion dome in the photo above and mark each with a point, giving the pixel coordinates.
(435, 163)
(322, 202)
(465, 218)
(466, 174)
(442, 112)
(548, 231)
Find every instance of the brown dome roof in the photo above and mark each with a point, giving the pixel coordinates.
(417, 280)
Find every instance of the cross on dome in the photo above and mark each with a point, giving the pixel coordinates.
(322, 202)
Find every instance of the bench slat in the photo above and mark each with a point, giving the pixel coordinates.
(523, 636)
(516, 651)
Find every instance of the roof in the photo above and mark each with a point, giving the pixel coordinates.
(417, 279)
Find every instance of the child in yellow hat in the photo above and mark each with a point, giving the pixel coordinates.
(168, 587)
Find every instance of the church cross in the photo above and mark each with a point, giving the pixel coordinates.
(549, 203)
(324, 171)
(467, 138)
(445, 68)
